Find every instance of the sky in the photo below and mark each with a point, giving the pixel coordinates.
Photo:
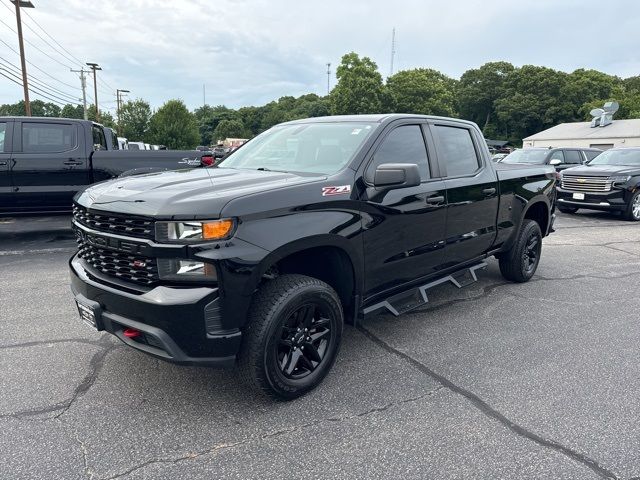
(249, 52)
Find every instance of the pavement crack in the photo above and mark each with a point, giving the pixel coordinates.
(276, 433)
(51, 342)
(95, 366)
(491, 412)
(85, 455)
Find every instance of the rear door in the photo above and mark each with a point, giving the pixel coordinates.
(572, 158)
(404, 237)
(49, 164)
(472, 191)
(6, 190)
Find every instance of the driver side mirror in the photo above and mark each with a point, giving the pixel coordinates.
(555, 162)
(396, 175)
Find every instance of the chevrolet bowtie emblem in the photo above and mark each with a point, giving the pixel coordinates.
(581, 180)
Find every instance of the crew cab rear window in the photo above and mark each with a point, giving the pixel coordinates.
(456, 150)
(99, 140)
(3, 132)
(591, 154)
(405, 144)
(572, 156)
(48, 137)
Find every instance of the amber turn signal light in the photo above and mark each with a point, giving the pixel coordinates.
(217, 230)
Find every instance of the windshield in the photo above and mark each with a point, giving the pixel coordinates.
(526, 156)
(617, 157)
(322, 148)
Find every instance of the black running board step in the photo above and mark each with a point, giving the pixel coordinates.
(416, 297)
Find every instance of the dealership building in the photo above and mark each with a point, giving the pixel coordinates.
(618, 133)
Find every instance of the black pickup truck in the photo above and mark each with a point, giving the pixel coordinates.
(45, 161)
(259, 261)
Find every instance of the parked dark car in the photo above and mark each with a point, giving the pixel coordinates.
(45, 161)
(314, 222)
(219, 152)
(609, 182)
(560, 158)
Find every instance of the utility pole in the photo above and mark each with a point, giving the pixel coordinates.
(25, 85)
(83, 84)
(328, 76)
(94, 67)
(393, 49)
(119, 103)
(204, 97)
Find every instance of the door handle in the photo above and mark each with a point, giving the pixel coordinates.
(2, 164)
(72, 162)
(435, 199)
(489, 191)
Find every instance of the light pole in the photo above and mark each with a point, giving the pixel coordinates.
(25, 85)
(118, 102)
(94, 67)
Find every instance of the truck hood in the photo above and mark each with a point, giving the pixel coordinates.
(184, 194)
(602, 170)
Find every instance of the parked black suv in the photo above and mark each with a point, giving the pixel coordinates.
(560, 158)
(609, 182)
(314, 222)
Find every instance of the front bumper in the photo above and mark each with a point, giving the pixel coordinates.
(180, 325)
(614, 200)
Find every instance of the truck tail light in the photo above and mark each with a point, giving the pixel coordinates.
(207, 160)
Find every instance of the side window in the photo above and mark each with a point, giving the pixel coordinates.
(573, 157)
(591, 154)
(557, 155)
(455, 148)
(48, 137)
(99, 140)
(3, 133)
(405, 144)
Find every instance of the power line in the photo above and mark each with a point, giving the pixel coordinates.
(40, 36)
(37, 48)
(35, 91)
(36, 80)
(37, 67)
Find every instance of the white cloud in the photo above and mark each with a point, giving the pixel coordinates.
(252, 51)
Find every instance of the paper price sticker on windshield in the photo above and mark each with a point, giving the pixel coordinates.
(341, 190)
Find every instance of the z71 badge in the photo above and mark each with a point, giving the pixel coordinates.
(341, 190)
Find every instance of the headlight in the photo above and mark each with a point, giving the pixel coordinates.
(180, 269)
(195, 231)
(619, 178)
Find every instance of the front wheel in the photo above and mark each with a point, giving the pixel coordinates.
(521, 261)
(633, 209)
(293, 336)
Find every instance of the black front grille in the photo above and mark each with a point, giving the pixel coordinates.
(114, 223)
(124, 266)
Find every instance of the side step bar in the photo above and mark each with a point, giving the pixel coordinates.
(405, 301)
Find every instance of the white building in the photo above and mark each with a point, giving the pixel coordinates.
(619, 133)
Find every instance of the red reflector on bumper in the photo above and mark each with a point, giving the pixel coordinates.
(131, 333)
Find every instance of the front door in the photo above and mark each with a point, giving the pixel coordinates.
(50, 164)
(472, 192)
(404, 228)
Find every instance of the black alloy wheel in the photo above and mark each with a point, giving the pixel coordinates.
(531, 254)
(292, 336)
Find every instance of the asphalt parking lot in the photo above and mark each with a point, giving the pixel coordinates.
(497, 380)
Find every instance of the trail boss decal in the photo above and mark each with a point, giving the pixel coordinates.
(341, 190)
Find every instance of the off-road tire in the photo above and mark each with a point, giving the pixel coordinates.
(515, 264)
(276, 303)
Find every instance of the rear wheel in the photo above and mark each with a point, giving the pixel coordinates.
(568, 209)
(293, 336)
(633, 209)
(520, 263)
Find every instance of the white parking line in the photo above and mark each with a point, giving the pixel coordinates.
(36, 251)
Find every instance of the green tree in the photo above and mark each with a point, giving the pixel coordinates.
(135, 116)
(39, 108)
(422, 90)
(586, 86)
(106, 118)
(229, 129)
(359, 88)
(72, 111)
(209, 117)
(478, 89)
(174, 126)
(531, 101)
